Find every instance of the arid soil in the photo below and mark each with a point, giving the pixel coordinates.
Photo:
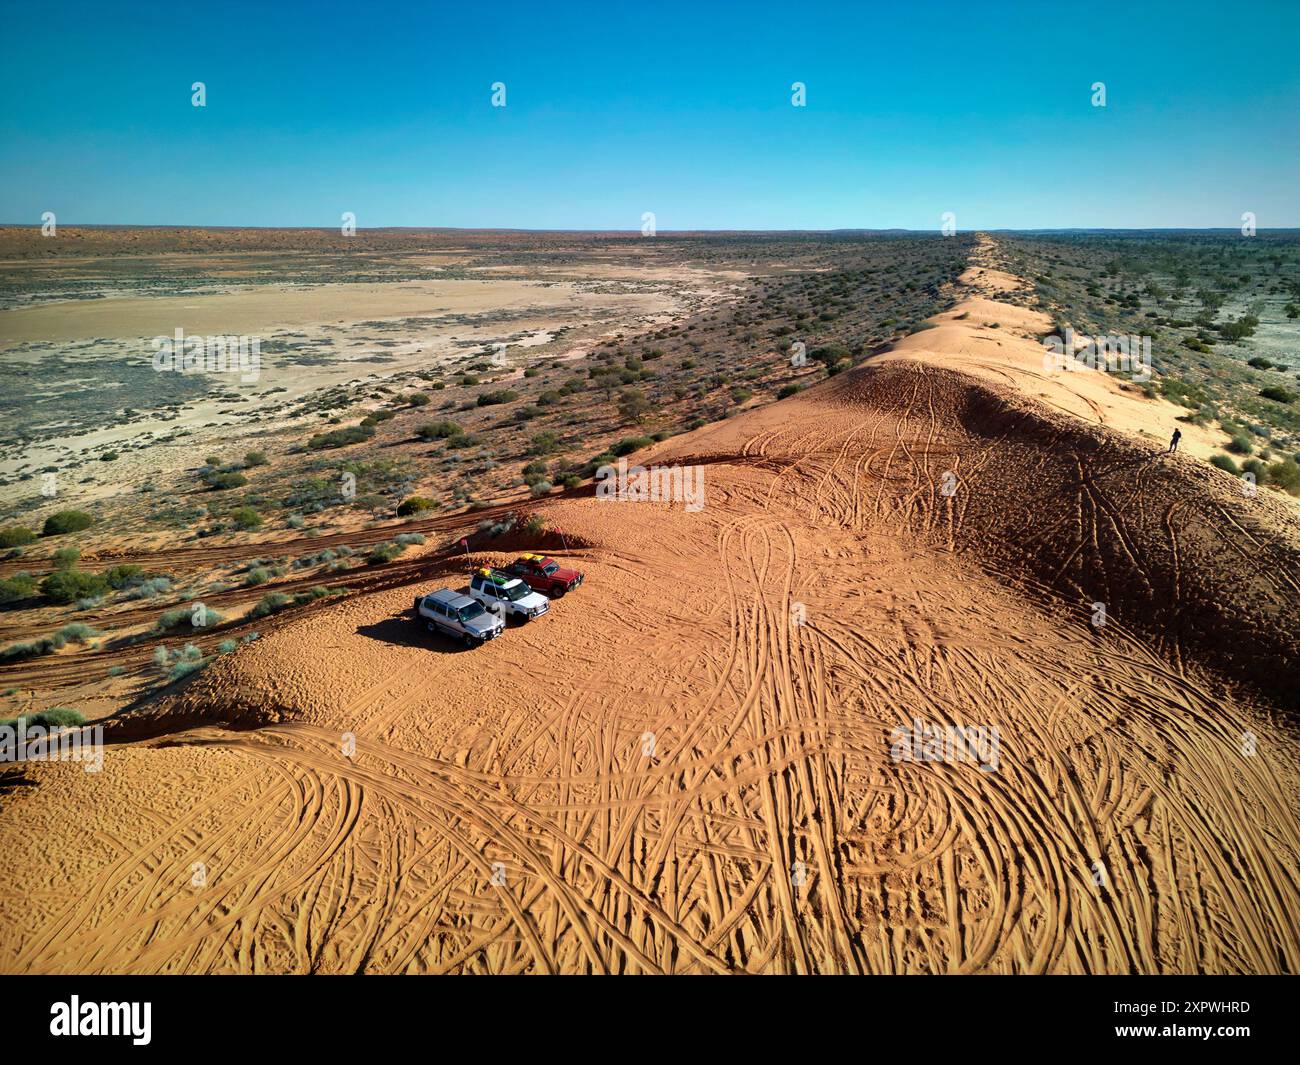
(694, 762)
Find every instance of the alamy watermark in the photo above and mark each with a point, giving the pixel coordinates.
(951, 744)
(658, 484)
(20, 743)
(179, 353)
(1108, 354)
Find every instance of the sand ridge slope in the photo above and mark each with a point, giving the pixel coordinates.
(691, 764)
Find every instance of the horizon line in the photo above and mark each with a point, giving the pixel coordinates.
(659, 232)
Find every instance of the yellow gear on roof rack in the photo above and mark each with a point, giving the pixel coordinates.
(483, 571)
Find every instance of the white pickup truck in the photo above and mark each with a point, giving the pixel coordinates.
(506, 595)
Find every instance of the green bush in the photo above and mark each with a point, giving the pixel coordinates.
(65, 557)
(270, 603)
(414, 505)
(382, 553)
(78, 632)
(221, 480)
(16, 536)
(246, 518)
(629, 444)
(1281, 395)
(1225, 462)
(1286, 475)
(490, 399)
(788, 390)
(438, 430)
(67, 521)
(119, 577)
(340, 437)
(69, 585)
(256, 458)
(16, 589)
(55, 717)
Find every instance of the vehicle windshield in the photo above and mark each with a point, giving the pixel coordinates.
(549, 568)
(468, 613)
(515, 592)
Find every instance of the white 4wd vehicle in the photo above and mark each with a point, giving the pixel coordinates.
(507, 596)
(458, 616)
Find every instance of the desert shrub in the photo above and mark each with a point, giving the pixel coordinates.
(19, 652)
(120, 577)
(633, 405)
(226, 646)
(438, 430)
(189, 659)
(67, 521)
(340, 437)
(54, 718)
(255, 576)
(65, 557)
(77, 632)
(788, 390)
(414, 505)
(184, 616)
(16, 536)
(17, 588)
(629, 444)
(491, 399)
(535, 525)
(1225, 462)
(569, 480)
(69, 585)
(382, 553)
(256, 458)
(541, 488)
(270, 603)
(274, 602)
(150, 587)
(1281, 395)
(544, 443)
(246, 518)
(1240, 444)
(1286, 475)
(407, 539)
(830, 354)
(221, 480)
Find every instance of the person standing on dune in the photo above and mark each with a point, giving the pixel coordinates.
(1173, 441)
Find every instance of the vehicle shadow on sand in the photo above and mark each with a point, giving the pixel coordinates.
(402, 630)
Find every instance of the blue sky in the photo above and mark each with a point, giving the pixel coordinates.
(683, 109)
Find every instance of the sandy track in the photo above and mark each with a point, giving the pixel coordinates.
(667, 774)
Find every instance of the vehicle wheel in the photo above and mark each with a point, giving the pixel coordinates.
(557, 592)
(431, 626)
(467, 639)
(523, 619)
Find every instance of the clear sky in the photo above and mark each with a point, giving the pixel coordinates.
(683, 109)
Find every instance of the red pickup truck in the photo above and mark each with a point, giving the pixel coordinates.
(544, 574)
